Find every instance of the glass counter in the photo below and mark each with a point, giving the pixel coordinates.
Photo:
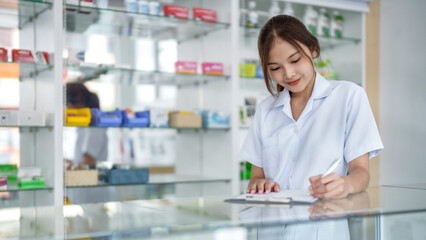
(373, 214)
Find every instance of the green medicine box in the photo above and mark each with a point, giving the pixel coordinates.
(10, 171)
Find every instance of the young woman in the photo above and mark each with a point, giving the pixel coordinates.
(308, 121)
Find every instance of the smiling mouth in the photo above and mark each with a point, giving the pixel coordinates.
(294, 82)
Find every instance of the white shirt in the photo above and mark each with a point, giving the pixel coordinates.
(93, 141)
(337, 122)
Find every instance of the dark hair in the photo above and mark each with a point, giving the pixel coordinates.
(77, 93)
(289, 29)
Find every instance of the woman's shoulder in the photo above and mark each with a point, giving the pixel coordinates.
(346, 88)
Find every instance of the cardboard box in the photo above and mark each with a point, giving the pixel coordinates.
(3, 54)
(20, 55)
(212, 69)
(127, 176)
(42, 57)
(203, 14)
(176, 11)
(81, 178)
(161, 169)
(187, 67)
(185, 120)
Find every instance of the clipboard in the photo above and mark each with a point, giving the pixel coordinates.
(293, 197)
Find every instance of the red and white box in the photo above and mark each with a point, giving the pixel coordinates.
(20, 55)
(176, 11)
(204, 14)
(186, 67)
(3, 54)
(212, 68)
(42, 57)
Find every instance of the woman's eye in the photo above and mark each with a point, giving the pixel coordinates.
(295, 61)
(274, 69)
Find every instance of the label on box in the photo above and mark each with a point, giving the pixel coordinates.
(19, 55)
(212, 68)
(186, 67)
(176, 11)
(75, 57)
(3, 54)
(88, 3)
(42, 57)
(203, 14)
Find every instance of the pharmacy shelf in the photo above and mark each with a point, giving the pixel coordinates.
(16, 13)
(355, 6)
(325, 42)
(163, 179)
(117, 22)
(27, 69)
(150, 77)
(25, 127)
(178, 129)
(13, 187)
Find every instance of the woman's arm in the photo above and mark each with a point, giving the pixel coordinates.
(259, 184)
(334, 186)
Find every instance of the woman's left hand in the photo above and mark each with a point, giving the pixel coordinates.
(331, 186)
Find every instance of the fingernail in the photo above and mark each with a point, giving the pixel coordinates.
(267, 191)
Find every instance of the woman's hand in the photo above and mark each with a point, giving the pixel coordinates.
(331, 186)
(262, 185)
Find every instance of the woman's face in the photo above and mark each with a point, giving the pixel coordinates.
(288, 67)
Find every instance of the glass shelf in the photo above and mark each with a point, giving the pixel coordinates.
(20, 126)
(161, 179)
(13, 187)
(117, 22)
(158, 128)
(325, 42)
(151, 77)
(20, 12)
(29, 69)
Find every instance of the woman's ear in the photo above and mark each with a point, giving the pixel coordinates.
(314, 54)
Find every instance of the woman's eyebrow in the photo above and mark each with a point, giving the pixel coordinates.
(287, 58)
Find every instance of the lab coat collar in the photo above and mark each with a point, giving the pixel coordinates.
(322, 88)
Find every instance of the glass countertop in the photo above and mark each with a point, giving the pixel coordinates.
(177, 217)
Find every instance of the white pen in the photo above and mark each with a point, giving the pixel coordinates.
(331, 168)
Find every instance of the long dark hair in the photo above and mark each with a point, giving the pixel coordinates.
(77, 93)
(289, 29)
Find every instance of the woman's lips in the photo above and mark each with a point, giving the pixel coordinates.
(294, 82)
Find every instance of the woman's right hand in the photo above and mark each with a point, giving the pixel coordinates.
(262, 186)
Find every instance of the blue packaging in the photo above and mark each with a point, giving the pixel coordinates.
(127, 176)
(141, 119)
(259, 72)
(213, 119)
(106, 119)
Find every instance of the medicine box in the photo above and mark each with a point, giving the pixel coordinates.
(10, 171)
(213, 119)
(186, 67)
(183, 119)
(158, 118)
(3, 54)
(139, 119)
(42, 57)
(127, 176)
(78, 117)
(203, 14)
(9, 118)
(31, 182)
(24, 56)
(106, 119)
(247, 70)
(3, 183)
(212, 68)
(176, 11)
(81, 177)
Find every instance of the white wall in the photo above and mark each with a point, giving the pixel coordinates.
(402, 91)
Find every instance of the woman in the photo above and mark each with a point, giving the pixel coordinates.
(308, 121)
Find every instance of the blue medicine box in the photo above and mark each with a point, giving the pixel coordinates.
(106, 119)
(141, 119)
(127, 176)
(213, 119)
(259, 72)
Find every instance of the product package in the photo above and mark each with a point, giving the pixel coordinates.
(42, 57)
(31, 182)
(24, 56)
(212, 68)
(247, 70)
(176, 11)
(3, 183)
(81, 177)
(87, 3)
(203, 14)
(29, 172)
(185, 119)
(32, 118)
(78, 117)
(75, 57)
(137, 119)
(186, 67)
(158, 118)
(9, 117)
(10, 171)
(259, 72)
(106, 119)
(213, 119)
(126, 176)
(3, 54)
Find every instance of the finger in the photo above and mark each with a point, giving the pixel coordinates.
(253, 187)
(329, 186)
(268, 186)
(314, 178)
(335, 193)
(260, 186)
(330, 177)
(276, 187)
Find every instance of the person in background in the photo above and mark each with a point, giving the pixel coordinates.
(308, 122)
(91, 144)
